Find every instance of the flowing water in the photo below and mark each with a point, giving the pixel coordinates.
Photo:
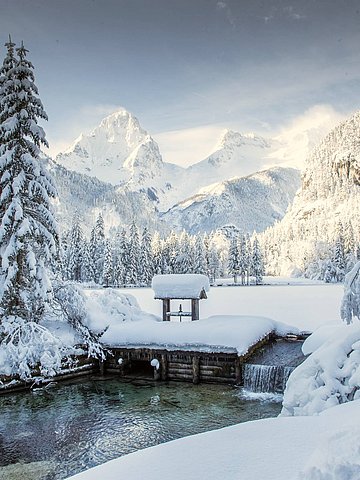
(271, 367)
(55, 432)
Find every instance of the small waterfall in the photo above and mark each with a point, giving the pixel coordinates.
(265, 378)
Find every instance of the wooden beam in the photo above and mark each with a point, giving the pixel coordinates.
(196, 369)
(166, 309)
(195, 309)
(164, 367)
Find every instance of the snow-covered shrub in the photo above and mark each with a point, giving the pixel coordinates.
(29, 347)
(70, 305)
(328, 377)
(109, 306)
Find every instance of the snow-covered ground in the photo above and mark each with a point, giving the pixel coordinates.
(127, 325)
(324, 447)
(298, 302)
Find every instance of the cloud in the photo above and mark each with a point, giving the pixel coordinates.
(301, 134)
(187, 146)
(291, 13)
(223, 6)
(292, 140)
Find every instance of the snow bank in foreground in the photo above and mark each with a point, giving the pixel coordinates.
(330, 376)
(271, 449)
(218, 333)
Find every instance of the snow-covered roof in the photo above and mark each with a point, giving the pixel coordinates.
(189, 285)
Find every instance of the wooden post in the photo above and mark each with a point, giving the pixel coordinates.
(196, 370)
(102, 367)
(164, 367)
(195, 309)
(238, 371)
(166, 309)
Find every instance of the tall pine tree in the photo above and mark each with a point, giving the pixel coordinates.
(29, 239)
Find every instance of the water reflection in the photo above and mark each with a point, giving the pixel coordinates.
(70, 427)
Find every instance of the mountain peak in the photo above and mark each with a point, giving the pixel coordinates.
(104, 151)
(233, 139)
(121, 125)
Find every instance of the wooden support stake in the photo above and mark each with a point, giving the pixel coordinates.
(166, 309)
(195, 309)
(238, 375)
(196, 370)
(102, 367)
(164, 367)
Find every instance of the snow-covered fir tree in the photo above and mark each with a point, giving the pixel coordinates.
(243, 258)
(132, 265)
(108, 271)
(157, 253)
(146, 262)
(257, 264)
(233, 262)
(74, 252)
(87, 267)
(200, 260)
(97, 245)
(29, 238)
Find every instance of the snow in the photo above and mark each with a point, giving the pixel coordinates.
(302, 304)
(269, 449)
(214, 334)
(128, 326)
(180, 286)
(319, 337)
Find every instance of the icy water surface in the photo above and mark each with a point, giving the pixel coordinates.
(59, 431)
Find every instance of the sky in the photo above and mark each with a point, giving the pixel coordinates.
(188, 68)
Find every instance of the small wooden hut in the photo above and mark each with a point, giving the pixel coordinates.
(191, 287)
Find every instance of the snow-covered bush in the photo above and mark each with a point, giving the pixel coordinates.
(70, 305)
(328, 377)
(30, 348)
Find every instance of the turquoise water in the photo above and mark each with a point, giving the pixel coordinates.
(56, 432)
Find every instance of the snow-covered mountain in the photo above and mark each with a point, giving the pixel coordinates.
(120, 162)
(326, 207)
(89, 196)
(120, 152)
(251, 203)
(103, 153)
